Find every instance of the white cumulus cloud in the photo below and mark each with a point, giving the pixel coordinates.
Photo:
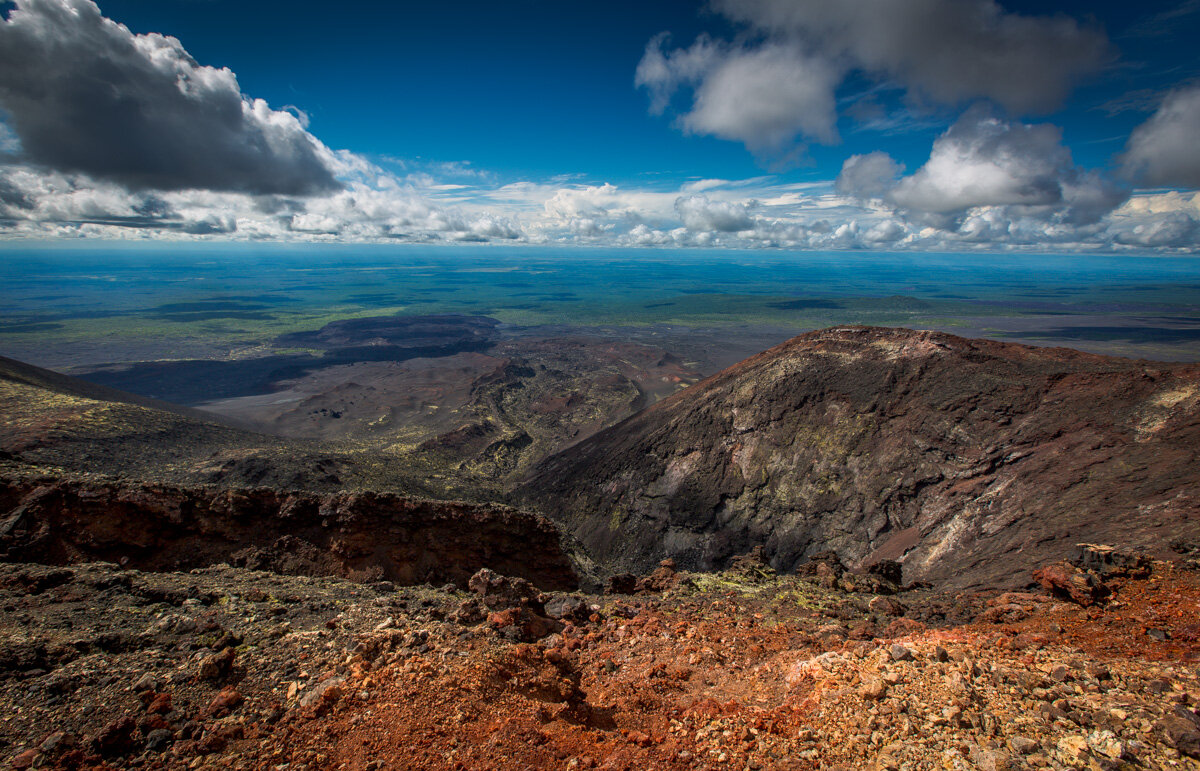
(984, 161)
(869, 176)
(764, 97)
(949, 51)
(700, 214)
(776, 83)
(1165, 149)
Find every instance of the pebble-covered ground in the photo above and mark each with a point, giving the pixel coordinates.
(227, 668)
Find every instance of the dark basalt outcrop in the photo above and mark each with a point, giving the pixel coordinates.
(970, 461)
(378, 338)
(364, 536)
(432, 333)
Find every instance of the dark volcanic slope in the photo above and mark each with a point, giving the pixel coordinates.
(18, 372)
(970, 460)
(62, 424)
(52, 420)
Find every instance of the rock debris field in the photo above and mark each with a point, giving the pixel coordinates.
(222, 667)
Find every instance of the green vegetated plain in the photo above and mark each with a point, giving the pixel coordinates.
(209, 303)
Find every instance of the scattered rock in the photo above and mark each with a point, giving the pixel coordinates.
(991, 760)
(522, 625)
(1181, 733)
(1022, 745)
(832, 635)
(159, 740)
(217, 666)
(953, 696)
(752, 566)
(56, 741)
(903, 627)
(116, 738)
(886, 606)
(664, 578)
(470, 611)
(498, 592)
(886, 577)
(146, 682)
(1073, 750)
(1067, 581)
(823, 563)
(1106, 743)
(568, 607)
(874, 690)
(227, 700)
(160, 704)
(889, 570)
(324, 694)
(621, 583)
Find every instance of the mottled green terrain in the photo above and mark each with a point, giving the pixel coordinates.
(76, 309)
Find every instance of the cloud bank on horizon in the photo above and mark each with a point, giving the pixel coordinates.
(105, 133)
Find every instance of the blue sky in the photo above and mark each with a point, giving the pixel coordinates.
(527, 89)
(929, 124)
(537, 89)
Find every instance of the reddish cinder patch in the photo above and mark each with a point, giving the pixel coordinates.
(722, 680)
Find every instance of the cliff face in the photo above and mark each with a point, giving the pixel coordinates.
(969, 460)
(364, 536)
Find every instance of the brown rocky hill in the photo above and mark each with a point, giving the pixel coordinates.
(968, 460)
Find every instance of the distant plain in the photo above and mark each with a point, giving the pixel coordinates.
(89, 309)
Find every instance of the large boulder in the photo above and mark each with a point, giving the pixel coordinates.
(1108, 562)
(1069, 582)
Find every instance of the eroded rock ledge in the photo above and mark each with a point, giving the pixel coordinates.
(363, 536)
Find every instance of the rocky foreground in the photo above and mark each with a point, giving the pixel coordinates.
(1098, 667)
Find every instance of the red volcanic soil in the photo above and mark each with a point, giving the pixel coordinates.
(105, 668)
(973, 462)
(734, 680)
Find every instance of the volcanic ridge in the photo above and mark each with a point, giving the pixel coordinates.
(864, 548)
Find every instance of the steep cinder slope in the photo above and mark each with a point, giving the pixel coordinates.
(19, 373)
(969, 460)
(50, 420)
(60, 424)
